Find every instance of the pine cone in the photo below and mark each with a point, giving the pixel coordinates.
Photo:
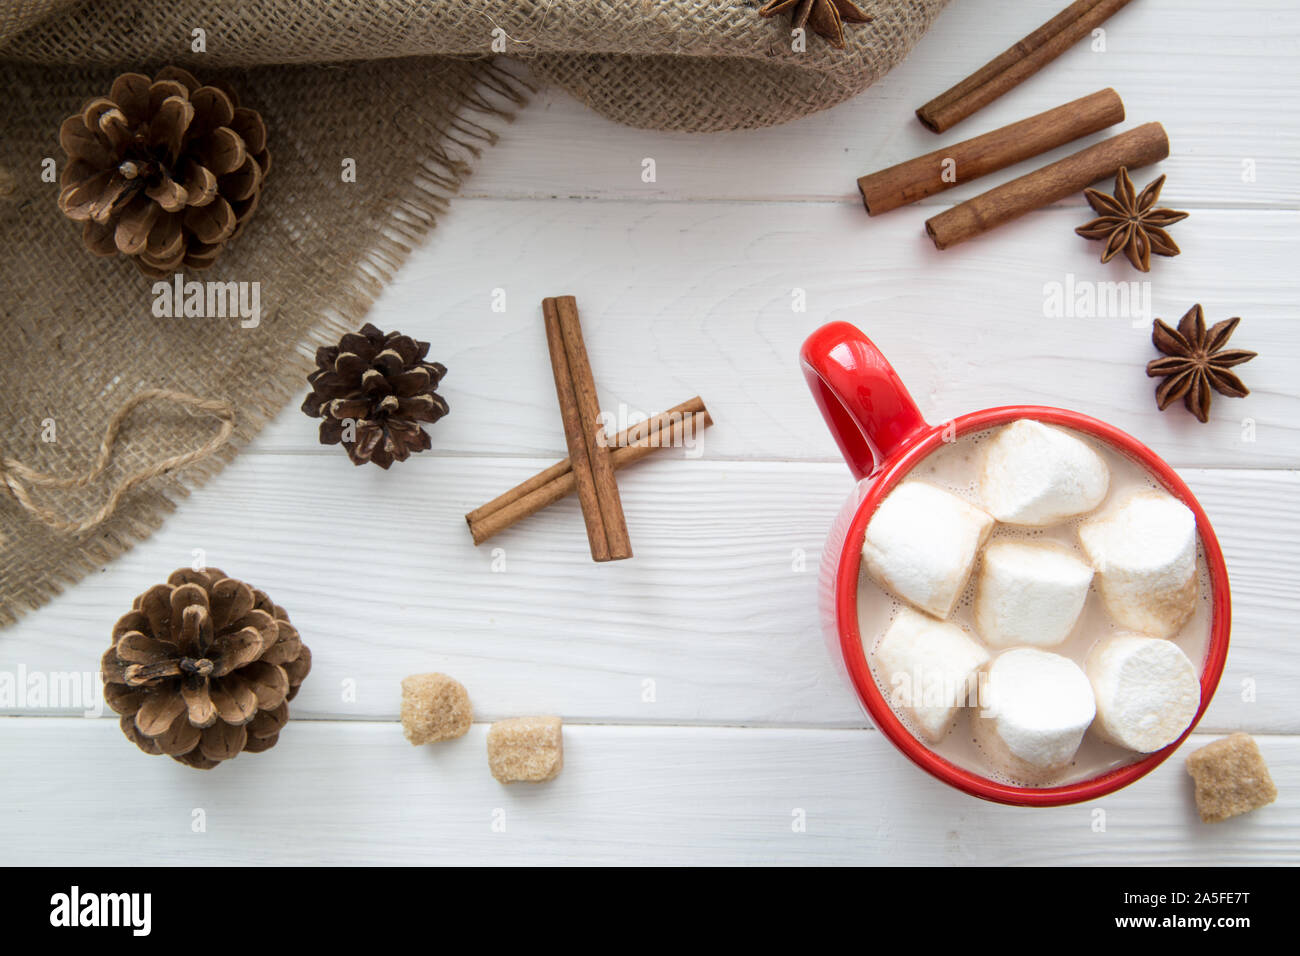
(166, 172)
(373, 389)
(203, 667)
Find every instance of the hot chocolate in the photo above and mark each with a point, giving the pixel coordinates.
(1035, 583)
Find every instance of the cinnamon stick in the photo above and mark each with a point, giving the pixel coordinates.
(960, 163)
(602, 510)
(575, 434)
(665, 430)
(611, 505)
(1017, 64)
(1138, 147)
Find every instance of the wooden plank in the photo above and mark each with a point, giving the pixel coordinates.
(1157, 56)
(1257, 530)
(358, 793)
(707, 291)
(715, 618)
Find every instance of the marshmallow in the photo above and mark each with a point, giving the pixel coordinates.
(921, 544)
(1037, 475)
(1144, 551)
(1036, 707)
(930, 667)
(1146, 688)
(1029, 594)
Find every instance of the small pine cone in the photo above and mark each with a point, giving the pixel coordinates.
(377, 386)
(164, 171)
(202, 668)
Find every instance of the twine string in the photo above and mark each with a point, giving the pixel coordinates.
(17, 476)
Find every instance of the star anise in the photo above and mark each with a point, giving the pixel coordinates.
(1131, 222)
(1196, 362)
(825, 17)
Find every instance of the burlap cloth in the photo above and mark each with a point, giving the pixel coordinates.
(410, 91)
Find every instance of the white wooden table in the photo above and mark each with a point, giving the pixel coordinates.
(703, 716)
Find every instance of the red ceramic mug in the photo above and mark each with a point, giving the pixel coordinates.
(882, 436)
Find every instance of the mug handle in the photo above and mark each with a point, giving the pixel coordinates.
(864, 402)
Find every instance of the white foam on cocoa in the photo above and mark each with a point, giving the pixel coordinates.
(955, 467)
(922, 542)
(1144, 550)
(930, 667)
(1037, 475)
(1146, 688)
(1029, 593)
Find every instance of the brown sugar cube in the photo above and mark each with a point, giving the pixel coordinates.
(434, 707)
(1231, 778)
(526, 748)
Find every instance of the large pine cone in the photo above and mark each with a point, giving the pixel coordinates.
(202, 668)
(374, 389)
(166, 172)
